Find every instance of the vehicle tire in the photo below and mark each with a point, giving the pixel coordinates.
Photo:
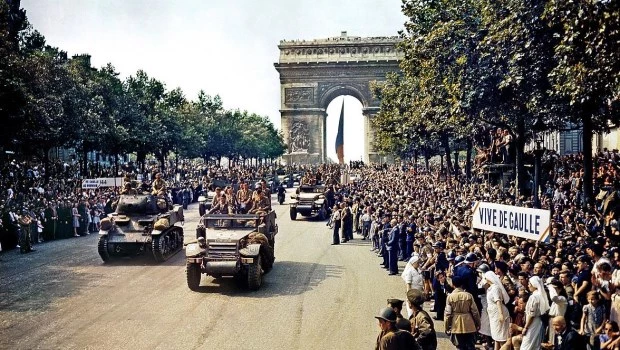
(267, 259)
(193, 276)
(201, 209)
(293, 213)
(102, 248)
(255, 274)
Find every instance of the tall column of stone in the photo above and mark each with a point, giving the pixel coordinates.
(370, 155)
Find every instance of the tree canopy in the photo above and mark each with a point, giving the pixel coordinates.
(48, 100)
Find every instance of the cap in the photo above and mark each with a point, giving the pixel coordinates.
(415, 296)
(387, 314)
(395, 303)
(438, 244)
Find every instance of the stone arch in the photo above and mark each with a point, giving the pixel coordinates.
(342, 90)
(321, 70)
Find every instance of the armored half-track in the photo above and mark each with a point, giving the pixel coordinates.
(308, 201)
(140, 225)
(239, 245)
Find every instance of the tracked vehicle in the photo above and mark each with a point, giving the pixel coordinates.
(239, 245)
(139, 225)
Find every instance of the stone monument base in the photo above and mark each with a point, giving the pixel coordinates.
(301, 158)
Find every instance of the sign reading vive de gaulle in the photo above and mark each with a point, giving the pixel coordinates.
(514, 221)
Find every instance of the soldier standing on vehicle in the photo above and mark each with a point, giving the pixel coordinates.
(244, 198)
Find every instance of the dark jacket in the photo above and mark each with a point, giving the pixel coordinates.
(568, 340)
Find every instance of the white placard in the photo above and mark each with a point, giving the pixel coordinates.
(110, 182)
(514, 221)
(90, 184)
(102, 182)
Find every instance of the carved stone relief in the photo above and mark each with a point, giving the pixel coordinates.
(299, 95)
(299, 137)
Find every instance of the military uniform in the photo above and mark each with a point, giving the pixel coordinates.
(462, 319)
(159, 185)
(423, 330)
(395, 340)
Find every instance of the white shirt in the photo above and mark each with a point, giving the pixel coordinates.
(413, 277)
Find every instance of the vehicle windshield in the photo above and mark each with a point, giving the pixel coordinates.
(228, 224)
(137, 205)
(311, 189)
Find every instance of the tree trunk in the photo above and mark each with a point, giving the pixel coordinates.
(115, 165)
(46, 164)
(426, 160)
(85, 160)
(519, 151)
(588, 197)
(415, 161)
(446, 145)
(468, 160)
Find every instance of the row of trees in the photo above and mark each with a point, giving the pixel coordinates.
(48, 100)
(473, 64)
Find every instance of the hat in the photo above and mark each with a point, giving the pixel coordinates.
(438, 244)
(415, 297)
(387, 314)
(471, 257)
(395, 303)
(483, 268)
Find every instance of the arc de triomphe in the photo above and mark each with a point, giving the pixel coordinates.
(314, 72)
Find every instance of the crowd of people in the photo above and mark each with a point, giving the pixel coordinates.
(50, 204)
(497, 290)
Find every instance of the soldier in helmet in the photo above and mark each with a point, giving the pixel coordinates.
(390, 337)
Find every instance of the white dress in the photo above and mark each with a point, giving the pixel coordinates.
(533, 336)
(485, 326)
(500, 327)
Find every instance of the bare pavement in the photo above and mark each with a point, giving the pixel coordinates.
(317, 296)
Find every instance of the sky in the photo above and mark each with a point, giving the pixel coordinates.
(224, 47)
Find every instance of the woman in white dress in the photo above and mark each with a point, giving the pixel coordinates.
(499, 319)
(537, 305)
(413, 277)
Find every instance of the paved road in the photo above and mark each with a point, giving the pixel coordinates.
(317, 296)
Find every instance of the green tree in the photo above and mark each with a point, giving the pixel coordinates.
(587, 75)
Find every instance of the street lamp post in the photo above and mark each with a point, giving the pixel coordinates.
(538, 129)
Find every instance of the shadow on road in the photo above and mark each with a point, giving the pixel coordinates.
(286, 278)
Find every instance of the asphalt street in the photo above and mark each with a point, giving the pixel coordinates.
(317, 296)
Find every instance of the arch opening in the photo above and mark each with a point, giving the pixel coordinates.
(353, 128)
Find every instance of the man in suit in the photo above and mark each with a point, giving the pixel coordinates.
(392, 247)
(565, 338)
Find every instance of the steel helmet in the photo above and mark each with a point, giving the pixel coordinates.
(471, 257)
(459, 260)
(451, 256)
(483, 268)
(387, 314)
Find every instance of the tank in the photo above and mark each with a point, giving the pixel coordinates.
(139, 225)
